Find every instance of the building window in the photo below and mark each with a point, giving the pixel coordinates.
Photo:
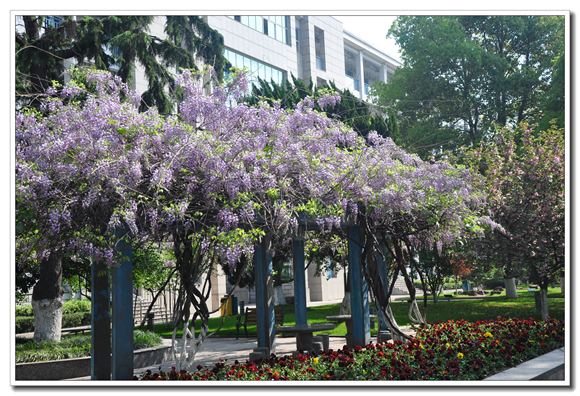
(320, 50)
(255, 68)
(298, 40)
(275, 26)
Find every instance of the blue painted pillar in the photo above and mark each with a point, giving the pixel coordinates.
(264, 301)
(123, 312)
(100, 322)
(383, 273)
(359, 301)
(299, 280)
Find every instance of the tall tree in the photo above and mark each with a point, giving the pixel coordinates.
(461, 74)
(44, 43)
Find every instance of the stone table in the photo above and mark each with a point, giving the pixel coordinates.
(304, 333)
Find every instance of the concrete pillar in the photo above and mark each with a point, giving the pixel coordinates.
(362, 76)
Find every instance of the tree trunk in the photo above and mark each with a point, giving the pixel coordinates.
(510, 287)
(345, 305)
(562, 283)
(545, 303)
(279, 298)
(47, 299)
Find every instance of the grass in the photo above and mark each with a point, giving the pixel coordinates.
(471, 310)
(72, 346)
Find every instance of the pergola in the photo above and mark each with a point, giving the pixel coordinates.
(120, 367)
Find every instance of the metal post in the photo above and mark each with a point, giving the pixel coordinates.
(100, 322)
(264, 301)
(299, 280)
(359, 301)
(123, 313)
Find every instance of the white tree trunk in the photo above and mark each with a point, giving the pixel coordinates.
(345, 305)
(279, 298)
(562, 284)
(47, 319)
(510, 287)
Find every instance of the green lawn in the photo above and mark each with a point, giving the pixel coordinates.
(471, 310)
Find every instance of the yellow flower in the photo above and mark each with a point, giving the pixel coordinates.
(315, 360)
(488, 334)
(460, 355)
(421, 345)
(447, 345)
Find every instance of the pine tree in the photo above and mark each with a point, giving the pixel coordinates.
(44, 43)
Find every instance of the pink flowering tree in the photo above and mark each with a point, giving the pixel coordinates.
(524, 171)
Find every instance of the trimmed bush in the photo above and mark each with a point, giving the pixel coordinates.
(24, 324)
(76, 319)
(24, 310)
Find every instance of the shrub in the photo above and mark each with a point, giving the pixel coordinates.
(72, 346)
(24, 310)
(76, 319)
(74, 306)
(24, 324)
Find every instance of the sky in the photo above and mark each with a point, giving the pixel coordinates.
(372, 29)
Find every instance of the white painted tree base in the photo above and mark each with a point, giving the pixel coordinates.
(47, 319)
(510, 288)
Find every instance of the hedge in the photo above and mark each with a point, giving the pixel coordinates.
(25, 324)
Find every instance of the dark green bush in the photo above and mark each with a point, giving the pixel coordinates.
(24, 324)
(76, 319)
(493, 283)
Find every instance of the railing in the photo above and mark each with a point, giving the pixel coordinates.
(52, 22)
(320, 63)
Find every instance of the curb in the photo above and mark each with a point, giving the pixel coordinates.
(548, 367)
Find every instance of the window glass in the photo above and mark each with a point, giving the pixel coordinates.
(271, 29)
(245, 20)
(252, 22)
(262, 72)
(239, 60)
(280, 36)
(279, 20)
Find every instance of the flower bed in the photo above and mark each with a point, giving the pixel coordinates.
(454, 350)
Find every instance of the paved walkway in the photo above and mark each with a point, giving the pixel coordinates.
(231, 349)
